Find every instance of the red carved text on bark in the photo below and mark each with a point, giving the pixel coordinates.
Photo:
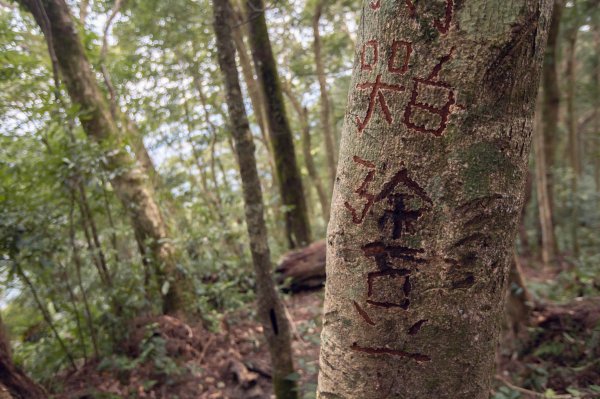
(401, 217)
(440, 93)
(377, 97)
(368, 47)
(400, 57)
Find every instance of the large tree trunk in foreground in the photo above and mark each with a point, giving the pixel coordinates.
(288, 174)
(431, 176)
(19, 385)
(326, 123)
(270, 308)
(130, 182)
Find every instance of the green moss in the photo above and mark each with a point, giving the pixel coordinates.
(482, 162)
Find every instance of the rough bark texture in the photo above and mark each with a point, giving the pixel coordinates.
(326, 123)
(19, 385)
(131, 182)
(270, 308)
(282, 141)
(428, 195)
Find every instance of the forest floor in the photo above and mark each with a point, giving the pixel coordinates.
(558, 353)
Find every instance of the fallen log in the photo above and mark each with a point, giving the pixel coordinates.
(303, 269)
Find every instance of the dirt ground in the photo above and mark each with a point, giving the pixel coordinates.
(560, 349)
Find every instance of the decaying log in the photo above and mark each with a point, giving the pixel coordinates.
(303, 269)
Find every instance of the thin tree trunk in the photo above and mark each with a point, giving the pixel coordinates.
(596, 89)
(428, 197)
(130, 183)
(302, 113)
(519, 304)
(551, 98)
(256, 94)
(326, 122)
(288, 174)
(92, 236)
(46, 315)
(574, 153)
(77, 262)
(111, 223)
(270, 308)
(19, 385)
(65, 277)
(543, 196)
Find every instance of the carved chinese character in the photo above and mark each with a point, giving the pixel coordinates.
(369, 55)
(398, 63)
(431, 102)
(376, 97)
(401, 217)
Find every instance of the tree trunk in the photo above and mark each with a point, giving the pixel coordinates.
(257, 97)
(19, 385)
(543, 196)
(428, 196)
(519, 303)
(309, 161)
(270, 308)
(596, 89)
(326, 123)
(130, 182)
(551, 103)
(288, 174)
(574, 153)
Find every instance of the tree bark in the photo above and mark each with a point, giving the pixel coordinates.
(326, 122)
(288, 174)
(130, 182)
(428, 196)
(19, 385)
(596, 82)
(574, 153)
(270, 308)
(551, 98)
(543, 196)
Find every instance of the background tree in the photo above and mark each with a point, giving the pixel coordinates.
(288, 175)
(130, 183)
(271, 312)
